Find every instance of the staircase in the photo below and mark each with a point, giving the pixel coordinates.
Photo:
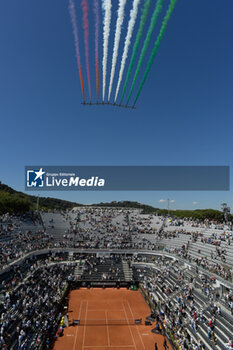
(78, 271)
(128, 272)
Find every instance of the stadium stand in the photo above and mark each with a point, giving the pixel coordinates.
(183, 267)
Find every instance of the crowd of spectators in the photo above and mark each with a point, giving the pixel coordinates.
(203, 262)
(30, 305)
(20, 243)
(179, 312)
(215, 263)
(103, 268)
(101, 228)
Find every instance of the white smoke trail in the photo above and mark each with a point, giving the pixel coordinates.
(133, 17)
(120, 19)
(106, 4)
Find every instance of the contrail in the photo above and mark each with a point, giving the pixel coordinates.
(133, 16)
(107, 5)
(158, 9)
(120, 19)
(76, 42)
(136, 44)
(97, 21)
(86, 35)
(156, 46)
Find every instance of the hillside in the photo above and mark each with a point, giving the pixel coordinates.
(12, 201)
(200, 214)
(147, 209)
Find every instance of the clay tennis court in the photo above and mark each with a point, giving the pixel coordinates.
(107, 321)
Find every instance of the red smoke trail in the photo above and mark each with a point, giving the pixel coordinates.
(81, 79)
(86, 35)
(76, 42)
(97, 20)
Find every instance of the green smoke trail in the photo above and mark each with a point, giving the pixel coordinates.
(158, 9)
(156, 46)
(135, 48)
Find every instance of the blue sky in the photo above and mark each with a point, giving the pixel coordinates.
(183, 116)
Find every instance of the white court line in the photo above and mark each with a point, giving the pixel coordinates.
(136, 325)
(84, 332)
(129, 326)
(105, 310)
(110, 346)
(76, 333)
(107, 327)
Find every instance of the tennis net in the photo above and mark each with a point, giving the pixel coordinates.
(105, 322)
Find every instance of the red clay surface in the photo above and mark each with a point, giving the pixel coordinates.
(98, 307)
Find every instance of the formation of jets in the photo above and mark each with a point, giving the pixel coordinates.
(84, 103)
